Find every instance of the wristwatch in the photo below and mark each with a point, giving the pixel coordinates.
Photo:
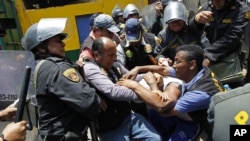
(2, 137)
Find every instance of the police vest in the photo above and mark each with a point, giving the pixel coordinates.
(211, 86)
(170, 40)
(116, 112)
(138, 56)
(229, 108)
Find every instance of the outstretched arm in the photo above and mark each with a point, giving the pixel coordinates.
(165, 71)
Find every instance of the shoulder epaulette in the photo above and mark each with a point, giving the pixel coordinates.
(158, 40)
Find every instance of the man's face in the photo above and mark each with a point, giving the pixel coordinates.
(181, 66)
(106, 33)
(108, 56)
(219, 4)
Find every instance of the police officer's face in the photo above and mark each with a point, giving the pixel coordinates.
(120, 19)
(134, 15)
(177, 25)
(56, 46)
(182, 67)
(219, 4)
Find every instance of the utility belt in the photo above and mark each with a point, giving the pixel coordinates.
(69, 136)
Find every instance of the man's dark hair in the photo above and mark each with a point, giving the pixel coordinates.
(193, 52)
(98, 45)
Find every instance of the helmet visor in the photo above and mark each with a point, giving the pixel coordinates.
(49, 27)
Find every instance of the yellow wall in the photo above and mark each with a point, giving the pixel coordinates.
(29, 16)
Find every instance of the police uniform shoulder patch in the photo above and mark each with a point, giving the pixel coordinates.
(129, 53)
(158, 40)
(71, 74)
(148, 48)
(247, 15)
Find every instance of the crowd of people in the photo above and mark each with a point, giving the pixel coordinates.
(132, 81)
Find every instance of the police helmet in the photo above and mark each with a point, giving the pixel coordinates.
(45, 29)
(130, 9)
(175, 10)
(117, 12)
(29, 41)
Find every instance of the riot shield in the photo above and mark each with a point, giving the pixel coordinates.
(148, 14)
(12, 68)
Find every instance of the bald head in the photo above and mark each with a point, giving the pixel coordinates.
(104, 52)
(102, 43)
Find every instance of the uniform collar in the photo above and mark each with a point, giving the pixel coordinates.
(142, 42)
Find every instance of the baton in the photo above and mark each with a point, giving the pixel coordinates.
(23, 94)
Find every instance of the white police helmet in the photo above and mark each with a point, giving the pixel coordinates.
(175, 10)
(130, 9)
(45, 29)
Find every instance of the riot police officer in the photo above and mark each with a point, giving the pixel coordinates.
(117, 15)
(179, 30)
(65, 101)
(137, 49)
(131, 11)
(224, 23)
(157, 25)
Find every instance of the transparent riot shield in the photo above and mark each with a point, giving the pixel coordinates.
(13, 65)
(148, 15)
(12, 68)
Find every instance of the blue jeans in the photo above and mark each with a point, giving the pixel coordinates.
(135, 127)
(173, 128)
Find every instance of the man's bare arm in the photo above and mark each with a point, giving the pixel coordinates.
(165, 71)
